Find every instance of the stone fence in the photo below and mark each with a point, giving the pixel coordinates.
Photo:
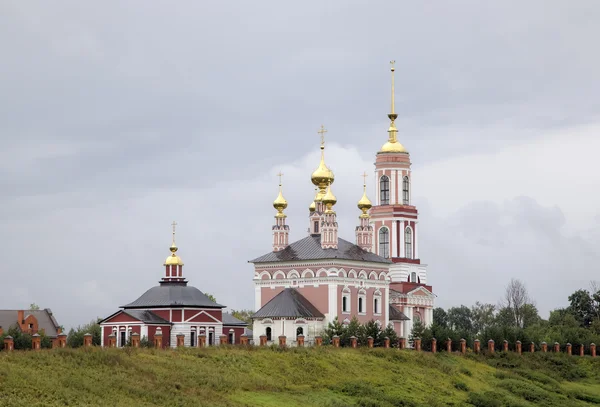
(461, 347)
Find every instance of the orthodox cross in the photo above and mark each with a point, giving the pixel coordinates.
(392, 63)
(364, 177)
(174, 224)
(322, 132)
(280, 175)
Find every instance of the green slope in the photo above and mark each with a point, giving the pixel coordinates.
(294, 377)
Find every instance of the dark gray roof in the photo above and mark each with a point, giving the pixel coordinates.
(397, 315)
(310, 248)
(46, 321)
(148, 317)
(171, 294)
(288, 303)
(229, 319)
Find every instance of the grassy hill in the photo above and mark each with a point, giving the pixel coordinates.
(293, 377)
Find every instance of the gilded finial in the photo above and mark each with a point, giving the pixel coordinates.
(329, 200)
(392, 145)
(322, 176)
(364, 204)
(280, 203)
(173, 259)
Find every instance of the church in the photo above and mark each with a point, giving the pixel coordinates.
(172, 311)
(300, 287)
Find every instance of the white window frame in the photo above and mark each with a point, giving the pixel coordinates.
(388, 242)
(361, 295)
(407, 200)
(409, 254)
(377, 298)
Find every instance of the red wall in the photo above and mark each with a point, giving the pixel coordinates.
(239, 331)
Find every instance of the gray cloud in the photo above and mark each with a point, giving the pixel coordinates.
(116, 119)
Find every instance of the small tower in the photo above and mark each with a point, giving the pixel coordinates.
(364, 231)
(173, 264)
(322, 177)
(281, 231)
(329, 226)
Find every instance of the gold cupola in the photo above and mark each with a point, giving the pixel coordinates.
(364, 204)
(313, 206)
(173, 259)
(329, 200)
(280, 203)
(392, 145)
(322, 176)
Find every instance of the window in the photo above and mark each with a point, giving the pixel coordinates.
(299, 331)
(344, 304)
(384, 242)
(360, 305)
(316, 226)
(413, 277)
(376, 306)
(231, 338)
(123, 338)
(384, 190)
(268, 333)
(408, 243)
(405, 194)
(211, 338)
(193, 339)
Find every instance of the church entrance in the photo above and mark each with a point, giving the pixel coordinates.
(193, 339)
(211, 338)
(123, 340)
(231, 338)
(268, 332)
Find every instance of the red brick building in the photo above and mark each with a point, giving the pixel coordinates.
(30, 321)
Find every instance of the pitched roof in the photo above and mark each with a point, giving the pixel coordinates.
(46, 321)
(288, 303)
(148, 317)
(229, 319)
(310, 248)
(169, 294)
(397, 315)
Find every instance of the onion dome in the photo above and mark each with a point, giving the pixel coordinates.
(322, 176)
(329, 200)
(364, 204)
(313, 206)
(280, 203)
(173, 259)
(392, 145)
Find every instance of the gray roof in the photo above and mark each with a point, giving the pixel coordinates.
(148, 317)
(397, 315)
(310, 248)
(229, 319)
(173, 294)
(288, 303)
(46, 321)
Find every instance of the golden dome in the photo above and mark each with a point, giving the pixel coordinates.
(312, 207)
(329, 200)
(364, 204)
(322, 176)
(173, 259)
(280, 204)
(393, 147)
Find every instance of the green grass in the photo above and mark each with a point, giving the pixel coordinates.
(232, 376)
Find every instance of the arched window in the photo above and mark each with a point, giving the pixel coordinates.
(408, 243)
(384, 190)
(193, 338)
(413, 277)
(299, 331)
(384, 242)
(268, 333)
(376, 306)
(405, 193)
(316, 226)
(360, 304)
(344, 304)
(231, 338)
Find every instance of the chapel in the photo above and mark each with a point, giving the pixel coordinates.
(300, 287)
(171, 311)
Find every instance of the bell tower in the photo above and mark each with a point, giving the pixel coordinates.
(394, 216)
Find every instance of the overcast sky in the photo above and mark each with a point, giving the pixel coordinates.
(117, 118)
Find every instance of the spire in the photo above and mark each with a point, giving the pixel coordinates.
(322, 176)
(281, 231)
(364, 204)
(392, 145)
(173, 264)
(280, 203)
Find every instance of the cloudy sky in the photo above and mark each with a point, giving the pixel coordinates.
(117, 118)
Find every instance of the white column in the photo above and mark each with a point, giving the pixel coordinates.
(386, 306)
(393, 240)
(376, 188)
(409, 324)
(333, 302)
(392, 187)
(257, 297)
(416, 240)
(402, 254)
(102, 335)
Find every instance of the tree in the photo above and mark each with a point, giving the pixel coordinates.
(440, 317)
(34, 307)
(482, 316)
(582, 307)
(75, 336)
(211, 297)
(515, 297)
(389, 332)
(417, 331)
(460, 319)
(243, 315)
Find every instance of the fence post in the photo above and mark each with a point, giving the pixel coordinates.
(463, 346)
(433, 345)
(519, 347)
(477, 346)
(569, 349)
(491, 348)
(532, 347)
(449, 345)
(544, 347)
